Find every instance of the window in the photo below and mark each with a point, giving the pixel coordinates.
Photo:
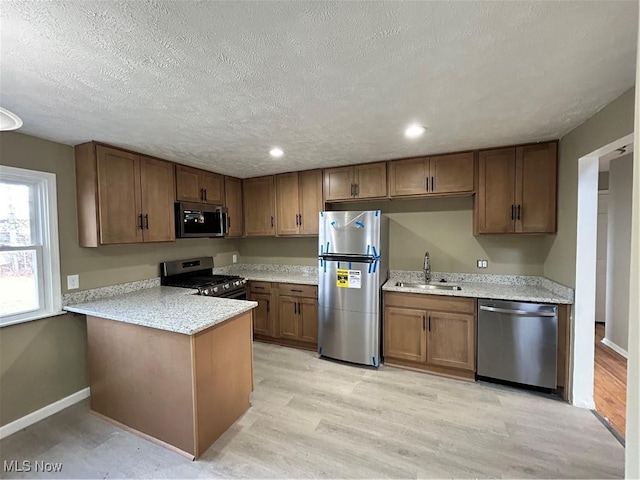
(29, 260)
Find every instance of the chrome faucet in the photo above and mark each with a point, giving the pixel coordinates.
(427, 268)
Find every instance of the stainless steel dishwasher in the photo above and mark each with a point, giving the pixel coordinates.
(518, 342)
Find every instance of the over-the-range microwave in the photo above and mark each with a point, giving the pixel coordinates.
(200, 220)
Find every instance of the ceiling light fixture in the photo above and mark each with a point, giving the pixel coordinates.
(9, 120)
(276, 152)
(414, 131)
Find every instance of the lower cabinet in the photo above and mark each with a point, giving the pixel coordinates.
(287, 314)
(430, 333)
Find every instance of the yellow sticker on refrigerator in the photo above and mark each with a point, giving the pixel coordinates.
(348, 278)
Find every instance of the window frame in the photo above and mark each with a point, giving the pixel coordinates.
(46, 244)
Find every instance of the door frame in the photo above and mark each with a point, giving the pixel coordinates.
(585, 304)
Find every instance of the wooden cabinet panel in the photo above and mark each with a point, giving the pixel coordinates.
(404, 334)
(233, 202)
(157, 190)
(308, 313)
(451, 340)
(310, 193)
(408, 177)
(259, 206)
(452, 173)
(260, 287)
(119, 198)
(262, 324)
(371, 180)
(288, 316)
(294, 290)
(338, 184)
(213, 185)
(536, 187)
(495, 201)
(287, 211)
(430, 302)
(188, 188)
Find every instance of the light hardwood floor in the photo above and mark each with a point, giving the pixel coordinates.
(317, 418)
(610, 383)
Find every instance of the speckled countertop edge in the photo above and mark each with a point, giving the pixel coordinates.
(172, 309)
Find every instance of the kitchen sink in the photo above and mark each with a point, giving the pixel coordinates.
(429, 286)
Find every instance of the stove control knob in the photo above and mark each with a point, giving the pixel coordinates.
(244, 281)
(226, 287)
(236, 283)
(205, 291)
(215, 289)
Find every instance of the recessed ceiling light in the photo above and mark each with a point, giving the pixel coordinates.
(414, 131)
(9, 120)
(276, 152)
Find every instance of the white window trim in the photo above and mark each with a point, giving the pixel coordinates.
(48, 208)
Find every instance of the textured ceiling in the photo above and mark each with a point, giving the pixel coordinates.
(217, 84)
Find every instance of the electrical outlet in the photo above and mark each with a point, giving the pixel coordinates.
(479, 263)
(73, 282)
(485, 264)
(235, 258)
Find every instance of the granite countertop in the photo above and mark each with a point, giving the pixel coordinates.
(505, 287)
(303, 275)
(172, 309)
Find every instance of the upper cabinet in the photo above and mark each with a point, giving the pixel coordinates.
(233, 202)
(122, 197)
(199, 186)
(517, 190)
(451, 174)
(298, 202)
(259, 204)
(359, 182)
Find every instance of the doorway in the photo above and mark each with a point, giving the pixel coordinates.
(600, 380)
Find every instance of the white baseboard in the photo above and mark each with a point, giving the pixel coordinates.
(44, 412)
(614, 347)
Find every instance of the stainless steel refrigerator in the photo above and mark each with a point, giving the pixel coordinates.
(353, 265)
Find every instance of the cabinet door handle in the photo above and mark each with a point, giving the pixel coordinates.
(146, 221)
(426, 181)
(271, 221)
(432, 184)
(202, 194)
(352, 190)
(205, 194)
(424, 323)
(257, 288)
(294, 290)
(519, 210)
(513, 208)
(295, 308)
(429, 323)
(300, 219)
(357, 189)
(268, 306)
(228, 221)
(140, 221)
(297, 219)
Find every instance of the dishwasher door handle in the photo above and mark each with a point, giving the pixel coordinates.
(522, 313)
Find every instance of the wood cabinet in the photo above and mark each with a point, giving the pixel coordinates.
(298, 202)
(233, 203)
(451, 174)
(359, 182)
(431, 333)
(259, 203)
(122, 197)
(263, 315)
(517, 190)
(298, 312)
(287, 314)
(404, 334)
(199, 186)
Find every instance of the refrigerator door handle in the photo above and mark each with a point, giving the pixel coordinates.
(347, 258)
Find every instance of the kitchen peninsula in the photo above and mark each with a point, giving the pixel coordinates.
(174, 367)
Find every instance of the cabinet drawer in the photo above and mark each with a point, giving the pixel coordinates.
(430, 302)
(298, 290)
(260, 287)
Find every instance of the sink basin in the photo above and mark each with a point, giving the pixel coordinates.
(429, 286)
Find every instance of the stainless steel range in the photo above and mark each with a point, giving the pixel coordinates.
(197, 273)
